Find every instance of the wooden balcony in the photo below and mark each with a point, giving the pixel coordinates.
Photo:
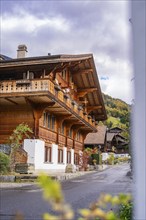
(78, 145)
(45, 133)
(61, 140)
(26, 88)
(23, 86)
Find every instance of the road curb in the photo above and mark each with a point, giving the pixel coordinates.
(15, 182)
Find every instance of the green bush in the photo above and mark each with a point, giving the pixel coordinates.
(123, 159)
(126, 211)
(116, 160)
(4, 163)
(97, 157)
(111, 158)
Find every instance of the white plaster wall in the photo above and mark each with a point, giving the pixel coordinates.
(64, 156)
(54, 154)
(72, 156)
(39, 154)
(104, 156)
(36, 155)
(29, 147)
(36, 151)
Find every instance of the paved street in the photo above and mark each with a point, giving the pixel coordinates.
(79, 192)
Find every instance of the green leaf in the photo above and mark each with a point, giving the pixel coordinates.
(52, 188)
(85, 212)
(111, 216)
(48, 216)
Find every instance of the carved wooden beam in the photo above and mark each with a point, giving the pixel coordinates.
(91, 108)
(9, 100)
(85, 133)
(60, 119)
(87, 89)
(39, 107)
(37, 113)
(84, 91)
(71, 123)
(84, 71)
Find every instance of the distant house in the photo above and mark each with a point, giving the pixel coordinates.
(96, 139)
(115, 141)
(115, 130)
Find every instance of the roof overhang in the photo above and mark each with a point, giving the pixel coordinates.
(83, 71)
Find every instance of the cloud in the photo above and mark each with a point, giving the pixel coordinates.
(29, 23)
(72, 27)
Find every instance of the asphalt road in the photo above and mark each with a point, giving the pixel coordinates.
(79, 192)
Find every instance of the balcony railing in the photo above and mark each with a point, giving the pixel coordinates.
(42, 85)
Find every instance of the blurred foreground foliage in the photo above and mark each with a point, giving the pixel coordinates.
(97, 211)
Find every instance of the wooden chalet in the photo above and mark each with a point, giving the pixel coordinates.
(116, 142)
(58, 96)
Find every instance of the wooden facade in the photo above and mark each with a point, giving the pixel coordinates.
(58, 96)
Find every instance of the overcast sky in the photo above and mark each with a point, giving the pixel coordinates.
(74, 27)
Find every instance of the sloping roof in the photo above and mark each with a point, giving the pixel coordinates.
(110, 136)
(115, 130)
(96, 138)
(3, 57)
(83, 72)
(118, 137)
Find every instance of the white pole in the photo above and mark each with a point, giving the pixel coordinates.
(139, 117)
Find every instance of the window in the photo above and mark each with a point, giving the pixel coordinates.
(44, 119)
(48, 154)
(49, 120)
(63, 128)
(31, 75)
(76, 159)
(28, 75)
(78, 135)
(70, 132)
(68, 157)
(53, 122)
(24, 75)
(60, 156)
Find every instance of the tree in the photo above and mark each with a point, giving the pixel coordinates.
(84, 157)
(19, 133)
(4, 163)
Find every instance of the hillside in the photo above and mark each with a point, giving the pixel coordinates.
(118, 113)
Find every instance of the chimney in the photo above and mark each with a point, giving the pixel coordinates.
(21, 52)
